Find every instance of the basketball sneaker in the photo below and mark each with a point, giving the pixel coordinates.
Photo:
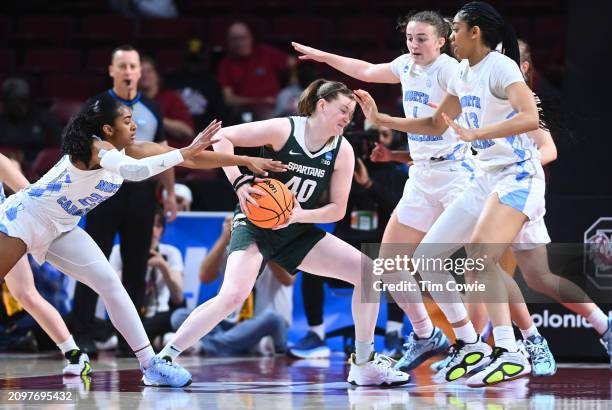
(503, 366)
(78, 363)
(542, 360)
(310, 347)
(463, 357)
(436, 366)
(606, 339)
(393, 344)
(378, 371)
(164, 373)
(418, 350)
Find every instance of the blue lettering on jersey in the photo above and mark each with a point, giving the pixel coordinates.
(416, 96)
(482, 144)
(89, 202)
(109, 187)
(424, 138)
(470, 101)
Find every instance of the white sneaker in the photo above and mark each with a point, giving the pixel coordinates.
(265, 347)
(378, 371)
(463, 357)
(78, 364)
(504, 366)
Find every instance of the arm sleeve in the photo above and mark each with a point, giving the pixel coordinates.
(138, 169)
(504, 73)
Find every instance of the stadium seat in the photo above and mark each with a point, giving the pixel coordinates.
(52, 60)
(45, 160)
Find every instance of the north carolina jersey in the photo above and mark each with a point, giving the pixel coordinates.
(308, 174)
(66, 193)
(480, 90)
(2, 196)
(422, 85)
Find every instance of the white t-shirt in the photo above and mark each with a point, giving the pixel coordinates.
(422, 85)
(157, 296)
(271, 294)
(481, 92)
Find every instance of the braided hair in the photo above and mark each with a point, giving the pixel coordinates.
(493, 27)
(81, 129)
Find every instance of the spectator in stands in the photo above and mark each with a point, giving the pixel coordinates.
(376, 190)
(178, 123)
(164, 281)
(262, 323)
(198, 88)
(131, 211)
(23, 125)
(184, 197)
(249, 73)
(145, 8)
(288, 97)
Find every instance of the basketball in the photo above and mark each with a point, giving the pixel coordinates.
(275, 205)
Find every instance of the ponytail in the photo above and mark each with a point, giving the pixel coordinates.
(321, 88)
(81, 130)
(494, 29)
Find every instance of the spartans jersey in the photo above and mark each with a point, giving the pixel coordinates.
(480, 90)
(66, 193)
(308, 173)
(421, 86)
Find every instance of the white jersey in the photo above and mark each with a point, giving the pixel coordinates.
(422, 85)
(66, 193)
(2, 196)
(481, 92)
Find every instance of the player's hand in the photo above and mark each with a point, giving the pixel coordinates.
(260, 166)
(202, 141)
(380, 153)
(295, 216)
(170, 207)
(246, 194)
(309, 53)
(464, 134)
(361, 175)
(368, 105)
(156, 260)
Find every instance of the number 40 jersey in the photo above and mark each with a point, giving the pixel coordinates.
(308, 173)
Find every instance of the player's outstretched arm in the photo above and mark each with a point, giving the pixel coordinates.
(11, 175)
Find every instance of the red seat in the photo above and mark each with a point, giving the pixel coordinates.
(8, 58)
(110, 29)
(380, 56)
(169, 61)
(71, 86)
(66, 109)
(305, 29)
(178, 29)
(217, 28)
(52, 59)
(360, 30)
(98, 60)
(56, 30)
(45, 160)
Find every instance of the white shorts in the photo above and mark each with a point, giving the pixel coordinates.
(520, 186)
(17, 222)
(533, 235)
(430, 188)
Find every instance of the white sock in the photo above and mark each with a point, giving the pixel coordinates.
(363, 351)
(319, 330)
(423, 328)
(393, 326)
(68, 345)
(171, 351)
(598, 320)
(466, 333)
(504, 337)
(145, 355)
(531, 331)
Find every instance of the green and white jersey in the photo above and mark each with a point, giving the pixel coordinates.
(308, 173)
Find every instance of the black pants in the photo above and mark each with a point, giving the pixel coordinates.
(130, 212)
(313, 293)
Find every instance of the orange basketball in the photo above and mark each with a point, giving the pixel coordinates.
(275, 205)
